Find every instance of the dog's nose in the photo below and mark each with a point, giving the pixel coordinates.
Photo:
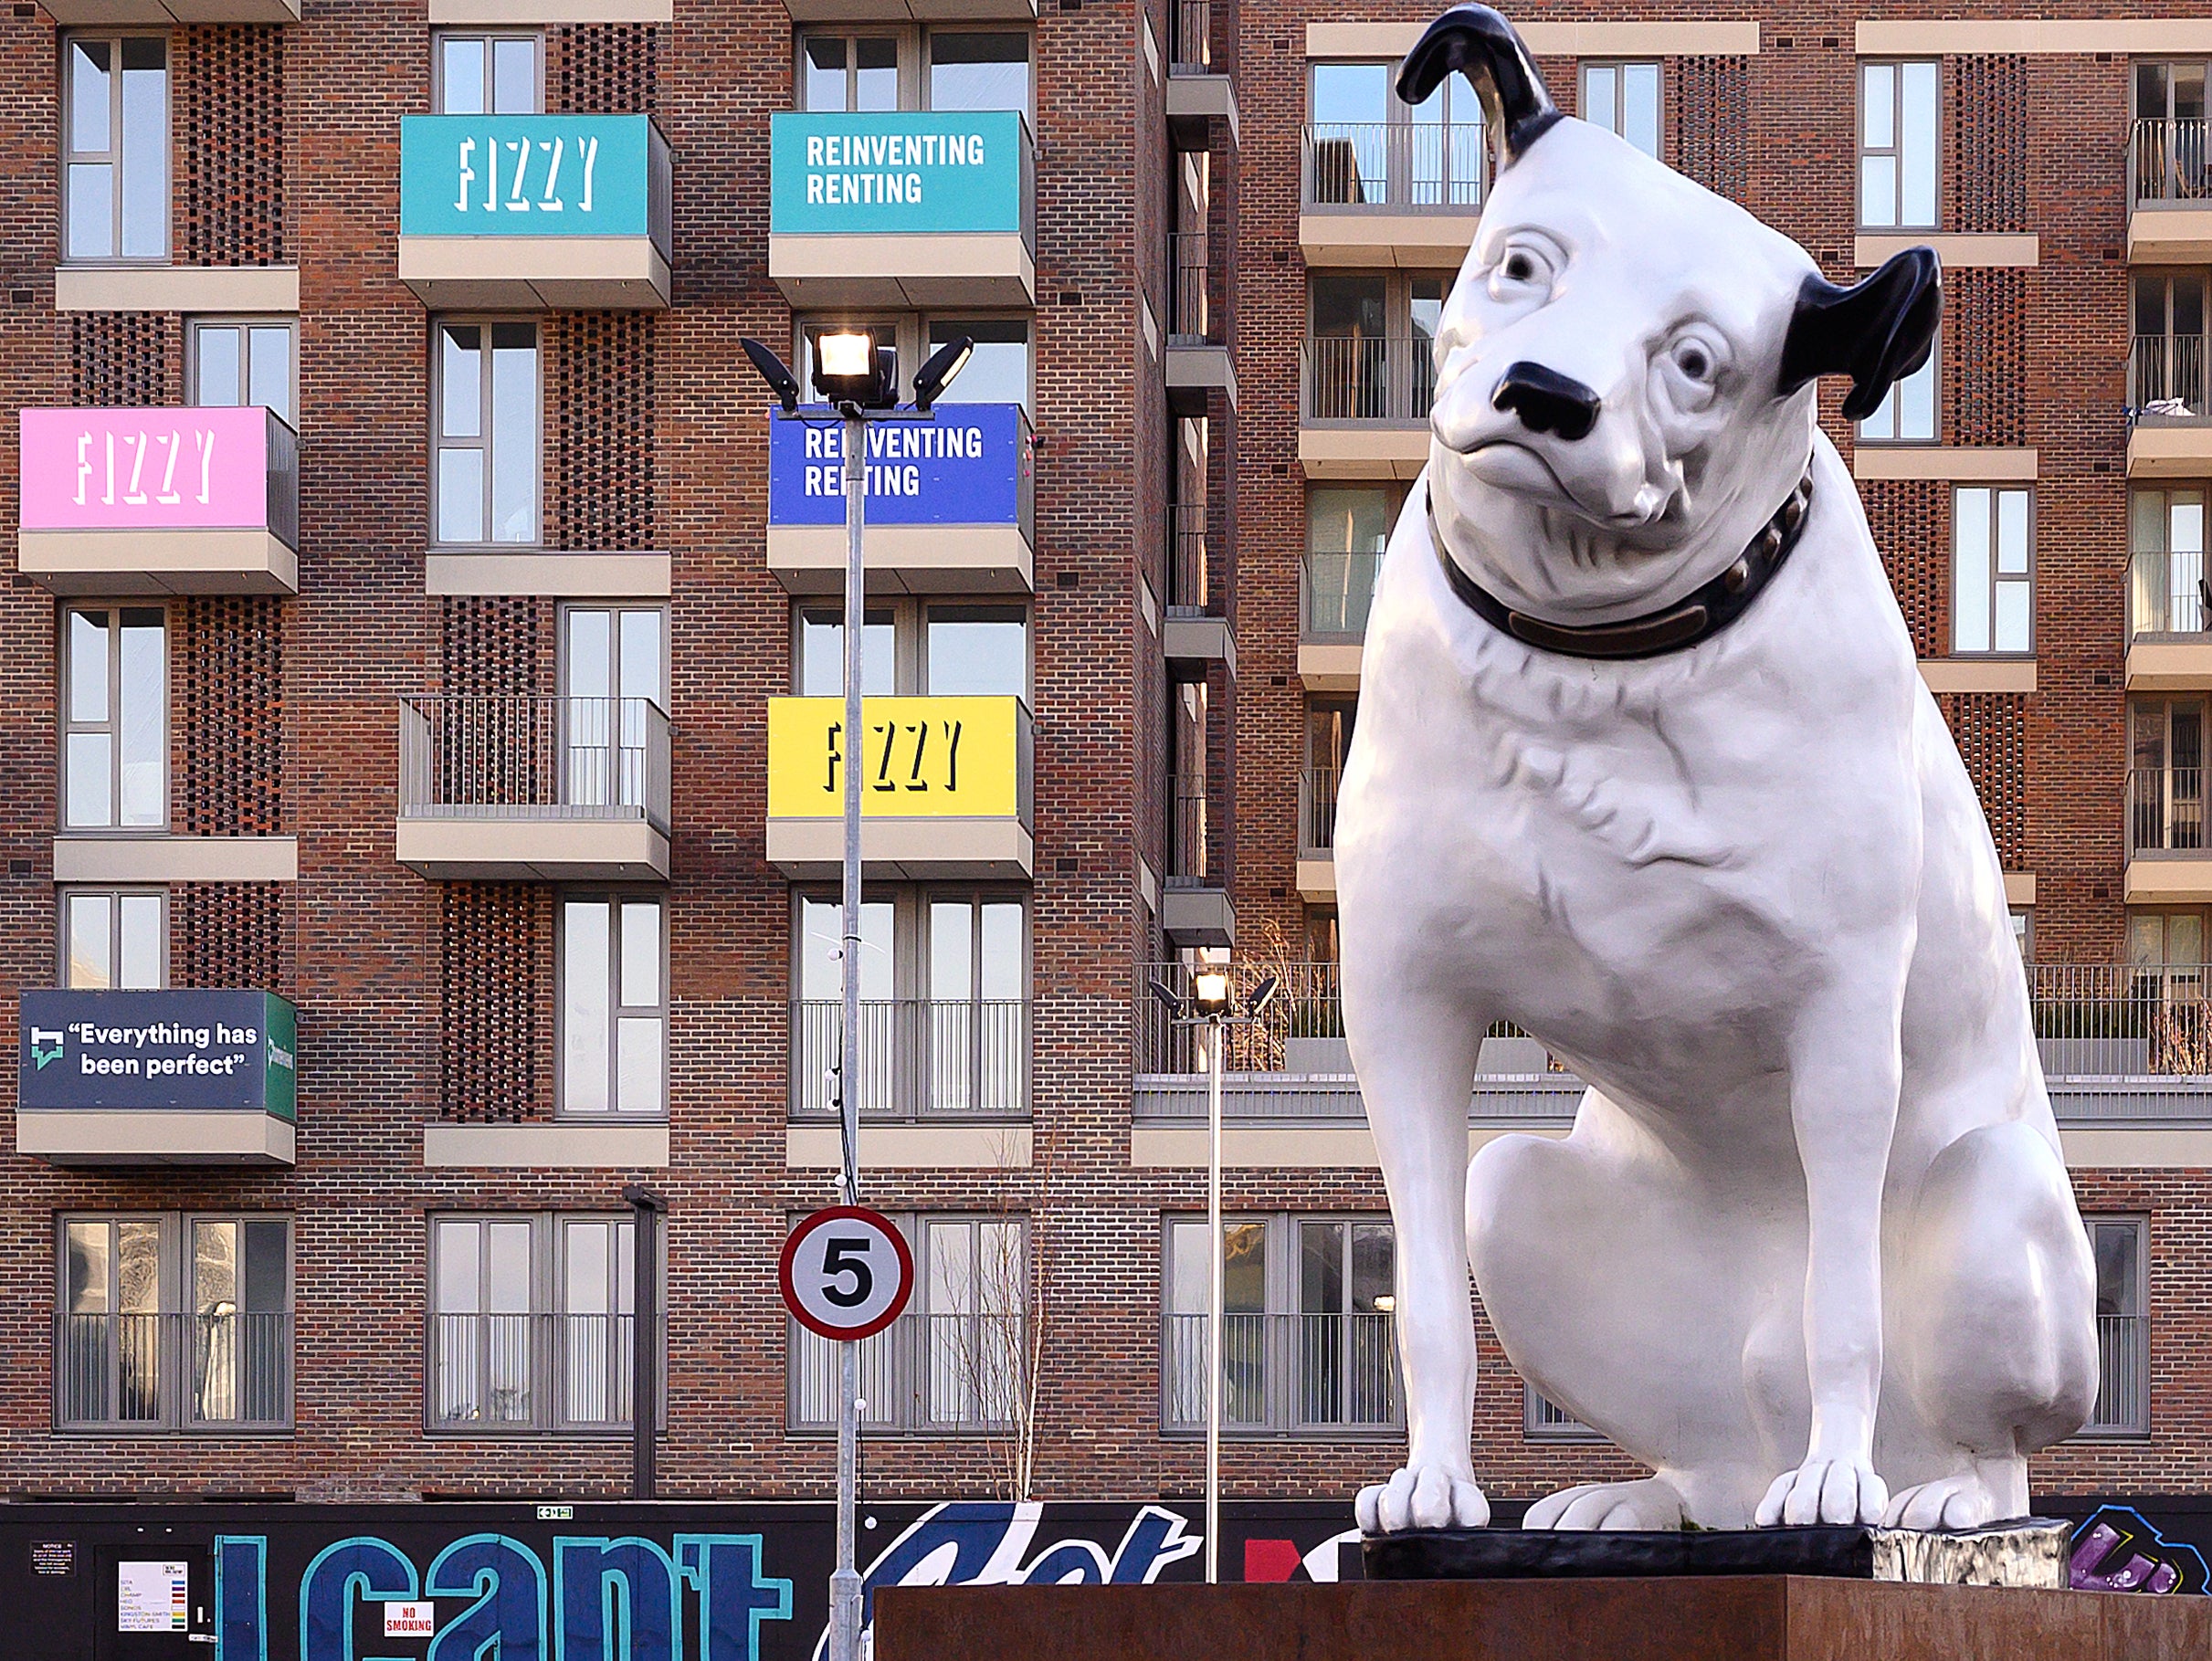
(1547, 401)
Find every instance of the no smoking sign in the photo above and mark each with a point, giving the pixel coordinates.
(847, 1272)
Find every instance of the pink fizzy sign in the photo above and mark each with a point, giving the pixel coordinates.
(145, 469)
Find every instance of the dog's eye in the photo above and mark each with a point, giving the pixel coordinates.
(1521, 266)
(1525, 264)
(1692, 361)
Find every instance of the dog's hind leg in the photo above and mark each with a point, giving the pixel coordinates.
(1415, 1050)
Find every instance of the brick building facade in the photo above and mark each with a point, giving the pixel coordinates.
(462, 746)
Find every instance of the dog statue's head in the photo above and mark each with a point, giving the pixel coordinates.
(1625, 367)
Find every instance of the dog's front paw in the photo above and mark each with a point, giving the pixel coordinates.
(1649, 1504)
(1423, 1496)
(1825, 1490)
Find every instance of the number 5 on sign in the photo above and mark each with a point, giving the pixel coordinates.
(847, 1272)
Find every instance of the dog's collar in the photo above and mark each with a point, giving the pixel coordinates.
(1698, 616)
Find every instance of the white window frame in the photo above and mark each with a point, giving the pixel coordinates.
(112, 724)
(1614, 117)
(2140, 1428)
(489, 38)
(114, 157)
(485, 441)
(1890, 413)
(615, 900)
(1988, 574)
(65, 932)
(1891, 155)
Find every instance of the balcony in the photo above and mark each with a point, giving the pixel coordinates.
(1334, 593)
(1406, 193)
(159, 501)
(1317, 834)
(534, 212)
(2167, 860)
(217, 1371)
(1194, 636)
(908, 208)
(947, 788)
(919, 1061)
(1363, 406)
(922, 1372)
(2170, 435)
(1197, 93)
(2169, 647)
(525, 789)
(1194, 909)
(1198, 362)
(951, 506)
(2169, 194)
(520, 1372)
(2121, 1046)
(165, 14)
(170, 1077)
(1286, 1375)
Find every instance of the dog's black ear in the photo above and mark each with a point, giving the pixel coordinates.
(1471, 37)
(1877, 332)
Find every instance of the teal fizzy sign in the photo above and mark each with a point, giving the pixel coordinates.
(527, 175)
(921, 171)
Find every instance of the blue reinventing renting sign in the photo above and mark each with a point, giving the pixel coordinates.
(158, 1049)
(967, 468)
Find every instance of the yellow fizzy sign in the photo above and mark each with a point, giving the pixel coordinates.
(942, 757)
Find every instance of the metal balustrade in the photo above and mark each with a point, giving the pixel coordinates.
(1405, 166)
(525, 757)
(1284, 1372)
(1190, 317)
(1335, 592)
(2166, 377)
(2168, 161)
(1189, 841)
(1190, 51)
(924, 1372)
(531, 1371)
(2166, 810)
(1316, 811)
(2167, 595)
(917, 1058)
(1371, 378)
(231, 1370)
(1189, 593)
(2123, 1376)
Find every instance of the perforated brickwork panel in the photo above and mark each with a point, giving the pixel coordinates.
(125, 359)
(225, 934)
(495, 959)
(606, 69)
(1991, 729)
(1985, 373)
(1989, 121)
(227, 657)
(230, 142)
(603, 463)
(492, 646)
(1911, 525)
(1712, 123)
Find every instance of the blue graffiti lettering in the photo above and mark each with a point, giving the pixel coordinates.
(614, 1600)
(363, 1567)
(241, 1597)
(507, 1622)
(734, 1596)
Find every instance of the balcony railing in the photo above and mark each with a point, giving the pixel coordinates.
(519, 757)
(1191, 51)
(531, 1371)
(2122, 1021)
(174, 1372)
(1404, 167)
(2168, 595)
(1335, 593)
(1316, 811)
(2166, 377)
(1283, 1373)
(1189, 841)
(2124, 1377)
(1384, 379)
(918, 1059)
(2168, 161)
(922, 1372)
(1189, 592)
(1190, 317)
(2166, 810)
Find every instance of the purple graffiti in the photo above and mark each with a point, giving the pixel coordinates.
(2118, 1550)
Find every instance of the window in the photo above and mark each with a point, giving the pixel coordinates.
(944, 977)
(1897, 150)
(614, 720)
(1992, 589)
(2167, 775)
(116, 159)
(981, 651)
(174, 1321)
(1543, 1420)
(1328, 737)
(115, 745)
(2166, 548)
(2124, 1342)
(997, 371)
(850, 73)
(235, 362)
(1371, 346)
(1623, 99)
(979, 71)
(877, 69)
(819, 669)
(1907, 413)
(487, 425)
(916, 648)
(1367, 149)
(1306, 1342)
(614, 1006)
(1347, 528)
(533, 1322)
(488, 75)
(2166, 357)
(955, 1360)
(114, 939)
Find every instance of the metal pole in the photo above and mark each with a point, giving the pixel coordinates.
(845, 1582)
(646, 1207)
(1214, 1295)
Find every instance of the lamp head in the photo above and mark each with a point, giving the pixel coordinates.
(947, 362)
(781, 381)
(1262, 995)
(850, 368)
(1210, 990)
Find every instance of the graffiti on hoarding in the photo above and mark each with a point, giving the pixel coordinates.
(2117, 1551)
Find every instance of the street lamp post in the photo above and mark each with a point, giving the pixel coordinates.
(861, 380)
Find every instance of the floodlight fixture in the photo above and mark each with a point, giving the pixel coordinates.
(781, 381)
(1167, 995)
(1210, 990)
(944, 364)
(1261, 996)
(854, 370)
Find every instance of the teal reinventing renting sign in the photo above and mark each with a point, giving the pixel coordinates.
(919, 171)
(528, 175)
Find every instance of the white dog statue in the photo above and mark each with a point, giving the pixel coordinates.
(1644, 764)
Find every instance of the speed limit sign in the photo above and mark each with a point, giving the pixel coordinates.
(847, 1272)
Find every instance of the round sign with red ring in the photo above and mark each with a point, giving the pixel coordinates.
(847, 1272)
